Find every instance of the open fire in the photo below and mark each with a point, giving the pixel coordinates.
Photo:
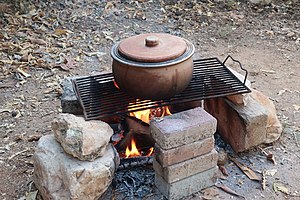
(134, 139)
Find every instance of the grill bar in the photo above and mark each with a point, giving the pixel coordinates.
(100, 98)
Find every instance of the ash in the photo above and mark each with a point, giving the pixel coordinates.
(133, 183)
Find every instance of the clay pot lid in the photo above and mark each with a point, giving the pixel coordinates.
(152, 47)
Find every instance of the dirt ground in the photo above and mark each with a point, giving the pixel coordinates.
(42, 42)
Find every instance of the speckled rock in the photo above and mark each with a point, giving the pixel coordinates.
(58, 175)
(85, 140)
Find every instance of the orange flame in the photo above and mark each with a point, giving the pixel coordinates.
(143, 115)
(148, 114)
(150, 151)
(133, 152)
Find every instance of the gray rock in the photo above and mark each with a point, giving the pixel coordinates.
(69, 101)
(85, 140)
(60, 176)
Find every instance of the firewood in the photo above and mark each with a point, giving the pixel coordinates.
(136, 125)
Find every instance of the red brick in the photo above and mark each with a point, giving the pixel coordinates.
(184, 152)
(242, 127)
(183, 128)
(187, 186)
(186, 168)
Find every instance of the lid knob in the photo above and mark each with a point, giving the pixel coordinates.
(151, 41)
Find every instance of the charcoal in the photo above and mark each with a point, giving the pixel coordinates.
(135, 162)
(135, 182)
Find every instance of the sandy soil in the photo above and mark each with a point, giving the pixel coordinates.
(42, 43)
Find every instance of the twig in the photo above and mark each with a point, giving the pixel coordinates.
(18, 153)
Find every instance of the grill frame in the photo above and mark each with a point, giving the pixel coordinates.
(99, 97)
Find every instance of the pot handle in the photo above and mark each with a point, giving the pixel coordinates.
(151, 41)
(229, 56)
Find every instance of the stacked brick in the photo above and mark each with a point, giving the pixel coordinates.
(185, 160)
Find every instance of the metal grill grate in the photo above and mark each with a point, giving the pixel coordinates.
(99, 97)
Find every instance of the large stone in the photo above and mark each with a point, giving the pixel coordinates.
(85, 140)
(187, 186)
(183, 128)
(69, 101)
(186, 168)
(184, 152)
(274, 127)
(242, 127)
(58, 175)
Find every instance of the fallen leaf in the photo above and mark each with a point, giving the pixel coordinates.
(21, 71)
(249, 172)
(26, 57)
(228, 190)
(279, 187)
(62, 32)
(268, 71)
(271, 172)
(31, 195)
(97, 53)
(4, 110)
(209, 193)
(37, 41)
(7, 61)
(296, 107)
(109, 5)
(281, 92)
(223, 170)
(68, 64)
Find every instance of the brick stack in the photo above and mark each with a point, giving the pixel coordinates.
(185, 160)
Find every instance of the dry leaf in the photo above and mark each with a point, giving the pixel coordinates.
(268, 71)
(68, 64)
(223, 170)
(21, 71)
(97, 53)
(209, 193)
(271, 172)
(26, 57)
(228, 190)
(7, 61)
(281, 92)
(296, 107)
(31, 195)
(37, 41)
(280, 187)
(109, 5)
(249, 172)
(62, 32)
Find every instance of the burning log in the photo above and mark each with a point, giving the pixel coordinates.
(135, 129)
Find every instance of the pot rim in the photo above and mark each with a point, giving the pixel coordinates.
(185, 56)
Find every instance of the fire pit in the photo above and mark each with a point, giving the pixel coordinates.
(101, 98)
